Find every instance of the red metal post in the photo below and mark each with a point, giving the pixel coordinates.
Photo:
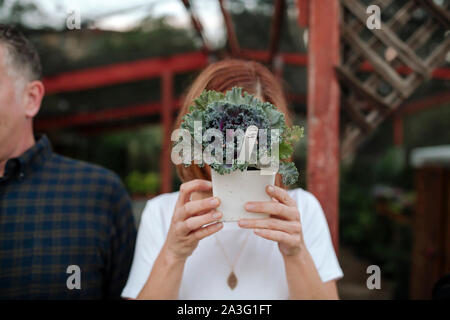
(398, 130)
(275, 29)
(303, 12)
(167, 103)
(323, 109)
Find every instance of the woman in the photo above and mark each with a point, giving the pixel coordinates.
(287, 256)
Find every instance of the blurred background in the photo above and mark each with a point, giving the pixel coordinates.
(115, 73)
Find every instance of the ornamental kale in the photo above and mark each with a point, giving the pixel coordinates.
(230, 116)
(239, 110)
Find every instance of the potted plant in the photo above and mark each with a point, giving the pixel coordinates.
(245, 142)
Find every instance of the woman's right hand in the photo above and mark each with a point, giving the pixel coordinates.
(189, 217)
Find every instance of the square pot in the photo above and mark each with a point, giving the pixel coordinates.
(237, 188)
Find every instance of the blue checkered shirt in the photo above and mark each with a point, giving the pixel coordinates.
(56, 212)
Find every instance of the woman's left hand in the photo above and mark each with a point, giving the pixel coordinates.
(283, 226)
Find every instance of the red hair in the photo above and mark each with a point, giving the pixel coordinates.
(221, 76)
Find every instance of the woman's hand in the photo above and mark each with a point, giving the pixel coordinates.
(188, 219)
(283, 226)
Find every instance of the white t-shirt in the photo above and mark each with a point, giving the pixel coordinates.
(259, 269)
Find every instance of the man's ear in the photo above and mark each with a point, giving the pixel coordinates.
(34, 92)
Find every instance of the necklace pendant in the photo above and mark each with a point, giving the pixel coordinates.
(232, 280)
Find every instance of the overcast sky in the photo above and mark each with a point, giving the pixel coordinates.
(121, 15)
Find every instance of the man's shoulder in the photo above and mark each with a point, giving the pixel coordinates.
(82, 170)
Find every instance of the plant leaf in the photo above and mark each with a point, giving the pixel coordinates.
(288, 173)
(207, 97)
(285, 150)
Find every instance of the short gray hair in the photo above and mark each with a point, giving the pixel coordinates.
(21, 53)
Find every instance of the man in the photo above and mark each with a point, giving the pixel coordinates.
(66, 227)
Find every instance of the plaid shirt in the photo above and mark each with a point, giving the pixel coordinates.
(56, 212)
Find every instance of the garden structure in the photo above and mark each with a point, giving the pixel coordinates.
(369, 73)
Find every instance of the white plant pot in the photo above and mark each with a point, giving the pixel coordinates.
(237, 188)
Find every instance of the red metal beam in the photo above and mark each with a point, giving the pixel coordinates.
(275, 29)
(148, 68)
(258, 55)
(423, 104)
(93, 117)
(154, 108)
(124, 72)
(295, 59)
(112, 128)
(323, 109)
(438, 73)
(231, 34)
(165, 160)
(441, 73)
(301, 59)
(296, 97)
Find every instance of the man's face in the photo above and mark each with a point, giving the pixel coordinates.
(12, 110)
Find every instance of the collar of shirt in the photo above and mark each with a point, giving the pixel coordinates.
(29, 160)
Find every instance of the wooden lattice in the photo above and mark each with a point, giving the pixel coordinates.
(412, 42)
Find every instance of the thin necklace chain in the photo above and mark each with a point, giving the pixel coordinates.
(238, 255)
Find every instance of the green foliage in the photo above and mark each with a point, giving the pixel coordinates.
(139, 183)
(372, 236)
(289, 172)
(290, 136)
(391, 164)
(206, 98)
(239, 110)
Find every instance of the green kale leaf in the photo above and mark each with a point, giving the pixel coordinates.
(288, 172)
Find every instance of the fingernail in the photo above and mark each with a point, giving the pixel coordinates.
(243, 223)
(271, 189)
(217, 215)
(249, 206)
(214, 202)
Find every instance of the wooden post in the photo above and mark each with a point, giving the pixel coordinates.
(431, 250)
(323, 109)
(166, 115)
